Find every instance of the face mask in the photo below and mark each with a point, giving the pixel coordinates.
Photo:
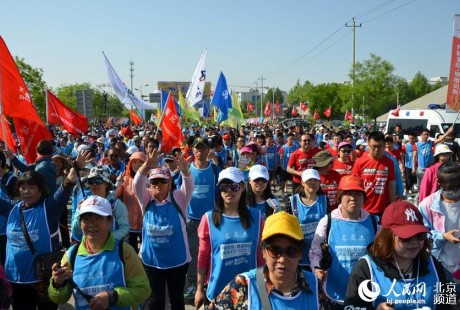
(451, 194)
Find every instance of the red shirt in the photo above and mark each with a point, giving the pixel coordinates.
(375, 175)
(330, 185)
(395, 153)
(299, 161)
(342, 168)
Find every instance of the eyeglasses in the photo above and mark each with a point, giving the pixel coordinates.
(260, 180)
(152, 146)
(159, 181)
(307, 140)
(378, 146)
(113, 155)
(234, 187)
(97, 181)
(240, 141)
(276, 251)
(345, 151)
(419, 237)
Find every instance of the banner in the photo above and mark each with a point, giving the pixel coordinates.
(59, 113)
(196, 89)
(349, 116)
(277, 107)
(222, 99)
(396, 112)
(294, 111)
(136, 119)
(454, 76)
(268, 109)
(29, 133)
(328, 112)
(303, 106)
(10, 142)
(187, 110)
(170, 126)
(316, 115)
(250, 107)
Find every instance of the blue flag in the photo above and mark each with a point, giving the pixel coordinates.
(205, 110)
(222, 98)
(164, 99)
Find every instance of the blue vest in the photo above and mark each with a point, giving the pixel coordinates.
(394, 289)
(203, 195)
(97, 273)
(288, 150)
(19, 265)
(424, 153)
(164, 239)
(233, 249)
(309, 217)
(3, 219)
(271, 153)
(347, 243)
(261, 207)
(303, 300)
(408, 158)
(222, 154)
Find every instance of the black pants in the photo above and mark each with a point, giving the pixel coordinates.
(2, 249)
(64, 229)
(134, 237)
(32, 296)
(411, 179)
(174, 278)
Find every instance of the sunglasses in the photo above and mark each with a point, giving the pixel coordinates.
(419, 237)
(234, 187)
(97, 181)
(159, 181)
(276, 251)
(307, 140)
(345, 151)
(260, 180)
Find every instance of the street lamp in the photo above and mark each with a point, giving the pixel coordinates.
(140, 89)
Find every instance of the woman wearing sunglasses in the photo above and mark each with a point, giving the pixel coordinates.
(343, 164)
(229, 237)
(259, 194)
(99, 184)
(164, 250)
(281, 283)
(398, 271)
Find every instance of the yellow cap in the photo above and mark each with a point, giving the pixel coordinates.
(282, 223)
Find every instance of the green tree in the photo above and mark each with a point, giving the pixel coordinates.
(420, 85)
(274, 96)
(299, 93)
(33, 77)
(322, 96)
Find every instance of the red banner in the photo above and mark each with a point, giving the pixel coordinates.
(29, 133)
(277, 107)
(396, 112)
(349, 116)
(316, 115)
(268, 109)
(59, 113)
(136, 119)
(170, 126)
(453, 90)
(250, 106)
(303, 106)
(294, 111)
(10, 142)
(328, 112)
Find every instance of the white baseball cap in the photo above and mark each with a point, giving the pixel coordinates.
(96, 204)
(361, 142)
(310, 174)
(258, 171)
(231, 173)
(441, 149)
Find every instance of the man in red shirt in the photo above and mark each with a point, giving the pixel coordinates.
(378, 174)
(302, 159)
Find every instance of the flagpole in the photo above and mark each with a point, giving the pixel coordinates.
(46, 105)
(162, 114)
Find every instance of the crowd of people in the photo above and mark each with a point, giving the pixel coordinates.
(255, 217)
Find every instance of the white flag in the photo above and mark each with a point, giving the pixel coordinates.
(124, 94)
(196, 89)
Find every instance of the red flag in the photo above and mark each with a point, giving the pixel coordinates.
(108, 123)
(170, 126)
(328, 112)
(349, 116)
(316, 115)
(136, 119)
(396, 112)
(277, 107)
(303, 106)
(250, 106)
(29, 134)
(454, 82)
(294, 111)
(268, 109)
(59, 113)
(10, 142)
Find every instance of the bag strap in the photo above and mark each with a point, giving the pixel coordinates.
(26, 234)
(262, 289)
(328, 225)
(179, 210)
(295, 211)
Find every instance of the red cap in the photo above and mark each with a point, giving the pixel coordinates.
(226, 136)
(404, 219)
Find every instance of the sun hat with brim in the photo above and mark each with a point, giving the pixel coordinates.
(200, 141)
(231, 173)
(404, 219)
(257, 172)
(322, 159)
(100, 140)
(361, 142)
(350, 183)
(342, 144)
(99, 171)
(309, 174)
(282, 223)
(254, 146)
(96, 204)
(246, 150)
(441, 149)
(159, 173)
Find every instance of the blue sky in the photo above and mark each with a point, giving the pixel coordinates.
(279, 40)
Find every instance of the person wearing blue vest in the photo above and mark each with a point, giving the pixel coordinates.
(309, 205)
(259, 192)
(281, 283)
(406, 153)
(422, 153)
(39, 214)
(347, 230)
(164, 250)
(105, 269)
(398, 271)
(229, 237)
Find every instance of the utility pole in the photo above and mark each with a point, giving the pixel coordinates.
(262, 79)
(354, 26)
(131, 69)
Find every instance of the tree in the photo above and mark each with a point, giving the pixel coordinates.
(33, 78)
(420, 85)
(322, 96)
(299, 93)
